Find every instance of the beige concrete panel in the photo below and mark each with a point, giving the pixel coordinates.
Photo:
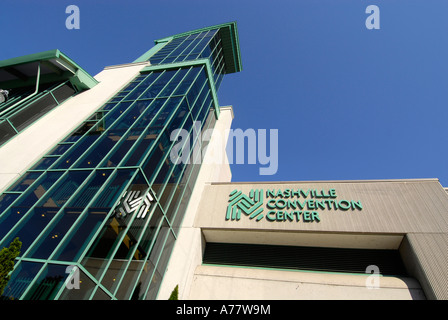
(232, 283)
(397, 206)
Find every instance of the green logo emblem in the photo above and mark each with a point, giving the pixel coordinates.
(250, 205)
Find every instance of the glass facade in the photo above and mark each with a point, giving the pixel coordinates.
(107, 200)
(16, 116)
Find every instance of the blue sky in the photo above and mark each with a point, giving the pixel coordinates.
(349, 103)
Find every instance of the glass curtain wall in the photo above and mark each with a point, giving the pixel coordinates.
(106, 203)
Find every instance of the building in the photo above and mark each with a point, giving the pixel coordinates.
(104, 211)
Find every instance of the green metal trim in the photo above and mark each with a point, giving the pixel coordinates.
(79, 77)
(208, 68)
(229, 36)
(148, 54)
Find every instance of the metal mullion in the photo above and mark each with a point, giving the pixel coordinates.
(25, 105)
(93, 126)
(92, 278)
(172, 169)
(217, 43)
(74, 144)
(148, 127)
(140, 138)
(187, 47)
(139, 82)
(60, 212)
(97, 232)
(57, 87)
(169, 150)
(121, 237)
(83, 213)
(135, 246)
(185, 167)
(218, 64)
(222, 65)
(186, 183)
(221, 57)
(38, 97)
(30, 210)
(149, 218)
(199, 94)
(218, 72)
(191, 50)
(215, 48)
(150, 187)
(180, 43)
(12, 126)
(106, 131)
(166, 56)
(156, 141)
(31, 284)
(166, 220)
(122, 139)
(153, 241)
(155, 266)
(12, 101)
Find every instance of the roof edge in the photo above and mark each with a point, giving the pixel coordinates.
(78, 76)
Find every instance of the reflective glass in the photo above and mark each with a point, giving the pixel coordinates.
(48, 284)
(110, 234)
(6, 199)
(130, 257)
(21, 277)
(44, 163)
(23, 183)
(25, 202)
(83, 292)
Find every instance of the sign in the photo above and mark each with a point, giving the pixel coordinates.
(287, 205)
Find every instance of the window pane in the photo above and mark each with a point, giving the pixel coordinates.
(6, 132)
(49, 283)
(25, 202)
(24, 182)
(107, 239)
(84, 291)
(20, 279)
(96, 213)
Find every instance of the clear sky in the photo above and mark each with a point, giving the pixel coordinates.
(348, 102)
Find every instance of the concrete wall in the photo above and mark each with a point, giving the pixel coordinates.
(24, 149)
(188, 249)
(232, 283)
(406, 215)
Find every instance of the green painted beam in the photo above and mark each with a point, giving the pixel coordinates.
(230, 43)
(73, 72)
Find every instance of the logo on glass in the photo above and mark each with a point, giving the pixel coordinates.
(250, 205)
(131, 202)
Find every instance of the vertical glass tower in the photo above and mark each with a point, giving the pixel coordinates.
(98, 215)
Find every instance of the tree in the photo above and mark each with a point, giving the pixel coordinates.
(175, 294)
(7, 256)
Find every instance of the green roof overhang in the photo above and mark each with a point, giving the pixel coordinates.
(54, 67)
(230, 44)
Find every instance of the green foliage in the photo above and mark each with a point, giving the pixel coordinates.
(7, 256)
(175, 294)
